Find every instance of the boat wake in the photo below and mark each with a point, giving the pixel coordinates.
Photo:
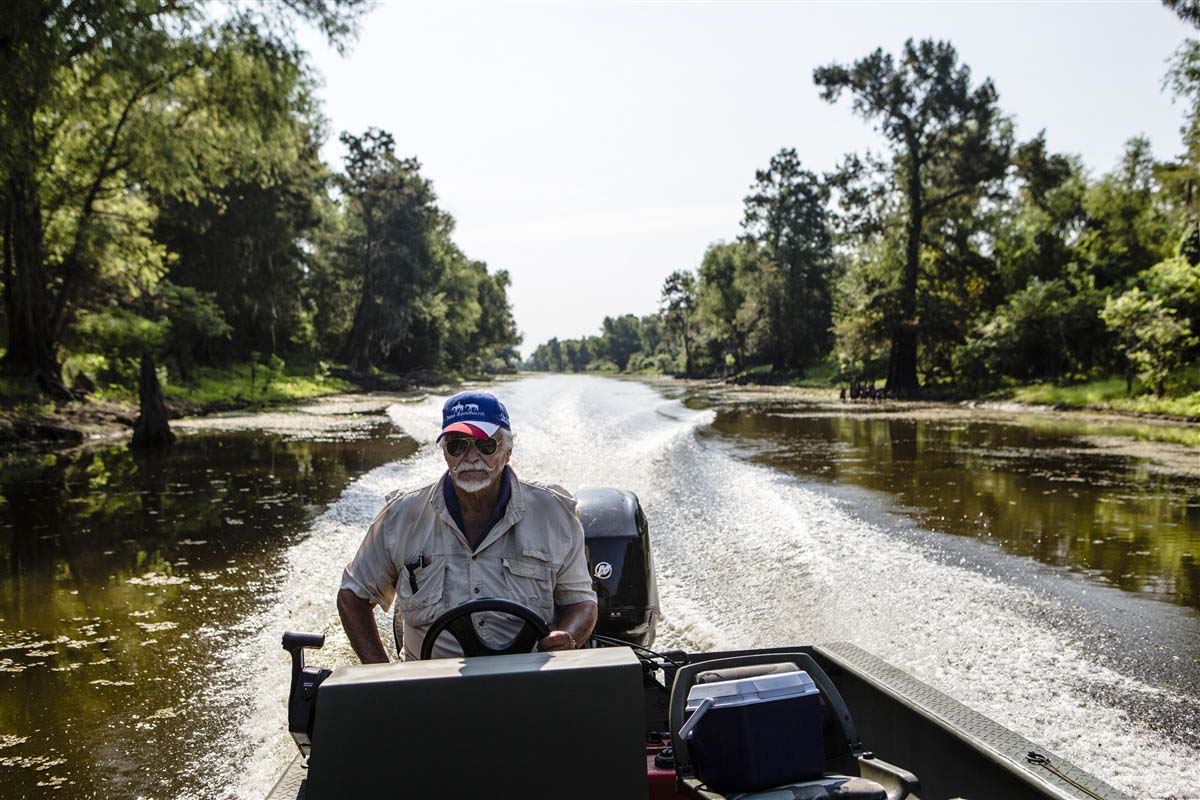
(747, 557)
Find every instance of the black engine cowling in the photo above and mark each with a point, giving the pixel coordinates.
(622, 567)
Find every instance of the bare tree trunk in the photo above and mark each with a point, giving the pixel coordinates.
(151, 429)
(7, 278)
(357, 351)
(32, 347)
(902, 363)
(687, 350)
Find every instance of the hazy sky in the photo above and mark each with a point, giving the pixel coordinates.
(591, 149)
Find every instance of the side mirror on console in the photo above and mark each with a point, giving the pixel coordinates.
(302, 699)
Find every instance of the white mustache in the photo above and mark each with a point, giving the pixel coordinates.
(471, 486)
(471, 466)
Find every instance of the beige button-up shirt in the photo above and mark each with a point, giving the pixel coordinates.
(534, 555)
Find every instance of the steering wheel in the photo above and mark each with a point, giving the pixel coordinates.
(457, 622)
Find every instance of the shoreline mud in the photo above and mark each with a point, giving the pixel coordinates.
(80, 424)
(782, 399)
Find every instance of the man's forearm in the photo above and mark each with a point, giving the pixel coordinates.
(358, 620)
(578, 619)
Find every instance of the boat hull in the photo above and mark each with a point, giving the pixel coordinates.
(955, 752)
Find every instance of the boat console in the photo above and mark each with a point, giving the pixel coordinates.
(566, 724)
(525, 725)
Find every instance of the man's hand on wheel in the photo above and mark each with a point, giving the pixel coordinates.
(557, 640)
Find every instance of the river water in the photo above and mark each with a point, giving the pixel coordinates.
(1041, 571)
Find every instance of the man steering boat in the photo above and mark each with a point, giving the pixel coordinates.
(479, 531)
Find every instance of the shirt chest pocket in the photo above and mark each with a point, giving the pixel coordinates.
(529, 579)
(420, 607)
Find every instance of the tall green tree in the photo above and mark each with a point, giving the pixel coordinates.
(737, 300)
(621, 336)
(97, 99)
(1180, 177)
(373, 175)
(404, 251)
(678, 309)
(1188, 10)
(785, 213)
(1036, 236)
(1149, 334)
(495, 337)
(548, 357)
(1127, 228)
(948, 141)
(250, 242)
(650, 334)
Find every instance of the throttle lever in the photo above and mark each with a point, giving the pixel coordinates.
(302, 697)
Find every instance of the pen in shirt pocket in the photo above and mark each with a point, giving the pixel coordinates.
(412, 567)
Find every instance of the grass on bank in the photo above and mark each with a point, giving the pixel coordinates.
(1107, 394)
(238, 386)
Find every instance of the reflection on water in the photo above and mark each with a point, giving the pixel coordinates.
(121, 575)
(1045, 491)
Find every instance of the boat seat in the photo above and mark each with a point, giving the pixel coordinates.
(827, 787)
(879, 780)
(737, 673)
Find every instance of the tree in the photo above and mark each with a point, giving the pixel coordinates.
(1180, 178)
(495, 336)
(1149, 335)
(372, 172)
(97, 99)
(419, 295)
(948, 140)
(621, 338)
(678, 303)
(249, 242)
(864, 305)
(555, 356)
(572, 357)
(1188, 10)
(1175, 283)
(650, 334)
(1126, 229)
(737, 303)
(785, 213)
(1044, 331)
(197, 326)
(1035, 238)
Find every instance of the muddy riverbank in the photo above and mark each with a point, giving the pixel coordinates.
(79, 423)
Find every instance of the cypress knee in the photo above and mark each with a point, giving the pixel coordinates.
(151, 428)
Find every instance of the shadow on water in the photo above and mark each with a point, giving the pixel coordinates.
(121, 576)
(1043, 491)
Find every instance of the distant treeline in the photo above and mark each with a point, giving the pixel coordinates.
(162, 193)
(957, 259)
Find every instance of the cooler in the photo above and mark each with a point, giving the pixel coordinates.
(755, 733)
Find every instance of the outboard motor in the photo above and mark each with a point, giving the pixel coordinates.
(619, 558)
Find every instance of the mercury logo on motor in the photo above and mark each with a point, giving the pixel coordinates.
(603, 570)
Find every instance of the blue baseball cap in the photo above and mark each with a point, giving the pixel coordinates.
(477, 414)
